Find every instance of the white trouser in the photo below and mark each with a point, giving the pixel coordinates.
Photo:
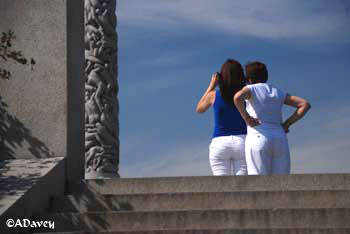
(226, 155)
(267, 154)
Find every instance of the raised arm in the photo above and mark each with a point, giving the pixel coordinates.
(239, 98)
(209, 96)
(302, 107)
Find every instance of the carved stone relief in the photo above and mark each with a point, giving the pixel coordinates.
(101, 89)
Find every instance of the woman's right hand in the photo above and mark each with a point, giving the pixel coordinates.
(252, 122)
(214, 80)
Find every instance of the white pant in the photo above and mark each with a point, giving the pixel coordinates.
(226, 155)
(267, 154)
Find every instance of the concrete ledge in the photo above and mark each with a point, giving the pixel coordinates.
(224, 231)
(214, 200)
(27, 187)
(239, 231)
(221, 183)
(231, 200)
(202, 219)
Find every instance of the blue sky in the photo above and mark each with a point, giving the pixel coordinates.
(169, 49)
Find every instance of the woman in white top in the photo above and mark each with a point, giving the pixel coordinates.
(266, 147)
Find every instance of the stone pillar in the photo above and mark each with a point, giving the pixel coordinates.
(42, 110)
(101, 89)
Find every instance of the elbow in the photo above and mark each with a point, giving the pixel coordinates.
(304, 107)
(236, 98)
(199, 110)
(307, 105)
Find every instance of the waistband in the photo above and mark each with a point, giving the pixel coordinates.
(267, 129)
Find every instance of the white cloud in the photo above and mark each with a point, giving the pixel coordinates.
(271, 19)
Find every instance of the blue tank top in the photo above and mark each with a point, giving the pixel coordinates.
(228, 120)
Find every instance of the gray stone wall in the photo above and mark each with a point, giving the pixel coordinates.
(34, 100)
(42, 111)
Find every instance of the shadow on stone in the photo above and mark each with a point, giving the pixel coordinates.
(14, 134)
(82, 210)
(85, 198)
(14, 181)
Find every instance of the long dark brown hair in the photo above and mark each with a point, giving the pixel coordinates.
(231, 79)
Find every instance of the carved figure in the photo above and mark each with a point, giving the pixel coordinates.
(101, 89)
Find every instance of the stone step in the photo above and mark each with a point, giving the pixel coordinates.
(238, 231)
(222, 231)
(203, 219)
(212, 200)
(221, 183)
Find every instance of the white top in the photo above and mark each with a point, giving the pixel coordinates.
(266, 104)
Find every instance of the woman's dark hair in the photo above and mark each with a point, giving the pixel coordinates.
(256, 72)
(231, 79)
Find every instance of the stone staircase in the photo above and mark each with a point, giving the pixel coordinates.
(281, 204)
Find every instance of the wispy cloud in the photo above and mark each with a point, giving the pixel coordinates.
(184, 159)
(144, 87)
(271, 19)
(159, 71)
(322, 156)
(327, 149)
(151, 85)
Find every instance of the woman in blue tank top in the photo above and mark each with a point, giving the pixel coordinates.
(226, 151)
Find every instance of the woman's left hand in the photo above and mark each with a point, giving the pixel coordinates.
(285, 127)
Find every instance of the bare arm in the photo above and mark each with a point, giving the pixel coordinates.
(208, 97)
(302, 107)
(239, 98)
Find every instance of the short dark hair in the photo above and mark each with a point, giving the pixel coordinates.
(256, 72)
